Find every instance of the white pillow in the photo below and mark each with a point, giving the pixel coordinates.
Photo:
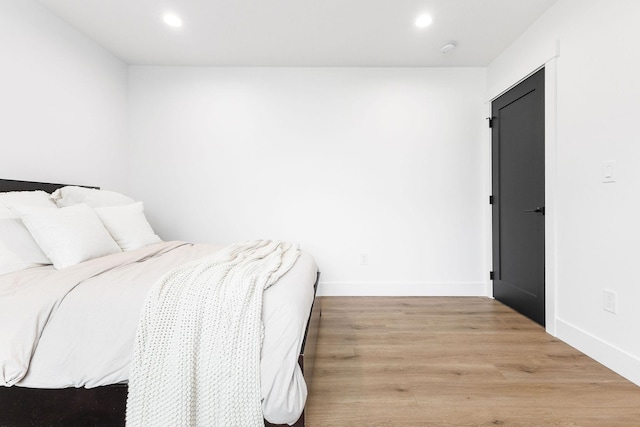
(23, 198)
(70, 235)
(72, 195)
(18, 250)
(128, 226)
(9, 262)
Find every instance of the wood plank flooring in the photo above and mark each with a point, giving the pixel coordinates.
(436, 361)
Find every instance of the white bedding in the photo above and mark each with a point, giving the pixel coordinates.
(100, 302)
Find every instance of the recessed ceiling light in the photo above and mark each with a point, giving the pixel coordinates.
(172, 20)
(423, 21)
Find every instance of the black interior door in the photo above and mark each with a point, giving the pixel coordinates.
(518, 197)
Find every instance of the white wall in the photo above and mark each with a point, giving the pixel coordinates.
(597, 227)
(63, 102)
(383, 162)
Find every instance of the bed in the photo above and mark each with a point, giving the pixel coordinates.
(84, 390)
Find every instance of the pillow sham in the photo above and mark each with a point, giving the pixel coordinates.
(9, 262)
(23, 198)
(72, 195)
(68, 236)
(15, 238)
(128, 226)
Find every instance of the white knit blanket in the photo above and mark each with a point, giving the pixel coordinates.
(197, 354)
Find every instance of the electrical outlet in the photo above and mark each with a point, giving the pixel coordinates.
(610, 301)
(364, 259)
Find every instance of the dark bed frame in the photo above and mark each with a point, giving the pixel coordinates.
(103, 406)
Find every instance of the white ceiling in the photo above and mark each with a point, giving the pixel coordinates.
(292, 33)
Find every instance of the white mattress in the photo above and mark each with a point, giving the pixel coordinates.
(75, 327)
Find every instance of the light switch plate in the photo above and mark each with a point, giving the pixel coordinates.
(609, 171)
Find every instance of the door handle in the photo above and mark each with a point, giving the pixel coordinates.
(537, 210)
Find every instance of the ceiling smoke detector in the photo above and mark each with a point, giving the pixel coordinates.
(448, 47)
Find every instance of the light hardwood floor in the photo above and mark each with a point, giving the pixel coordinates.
(455, 362)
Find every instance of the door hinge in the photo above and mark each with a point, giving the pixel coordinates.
(491, 119)
(491, 275)
(490, 200)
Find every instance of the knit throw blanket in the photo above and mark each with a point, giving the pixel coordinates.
(197, 353)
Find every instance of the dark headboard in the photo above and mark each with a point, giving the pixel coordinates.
(11, 185)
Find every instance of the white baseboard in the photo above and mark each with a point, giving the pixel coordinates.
(402, 289)
(610, 356)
